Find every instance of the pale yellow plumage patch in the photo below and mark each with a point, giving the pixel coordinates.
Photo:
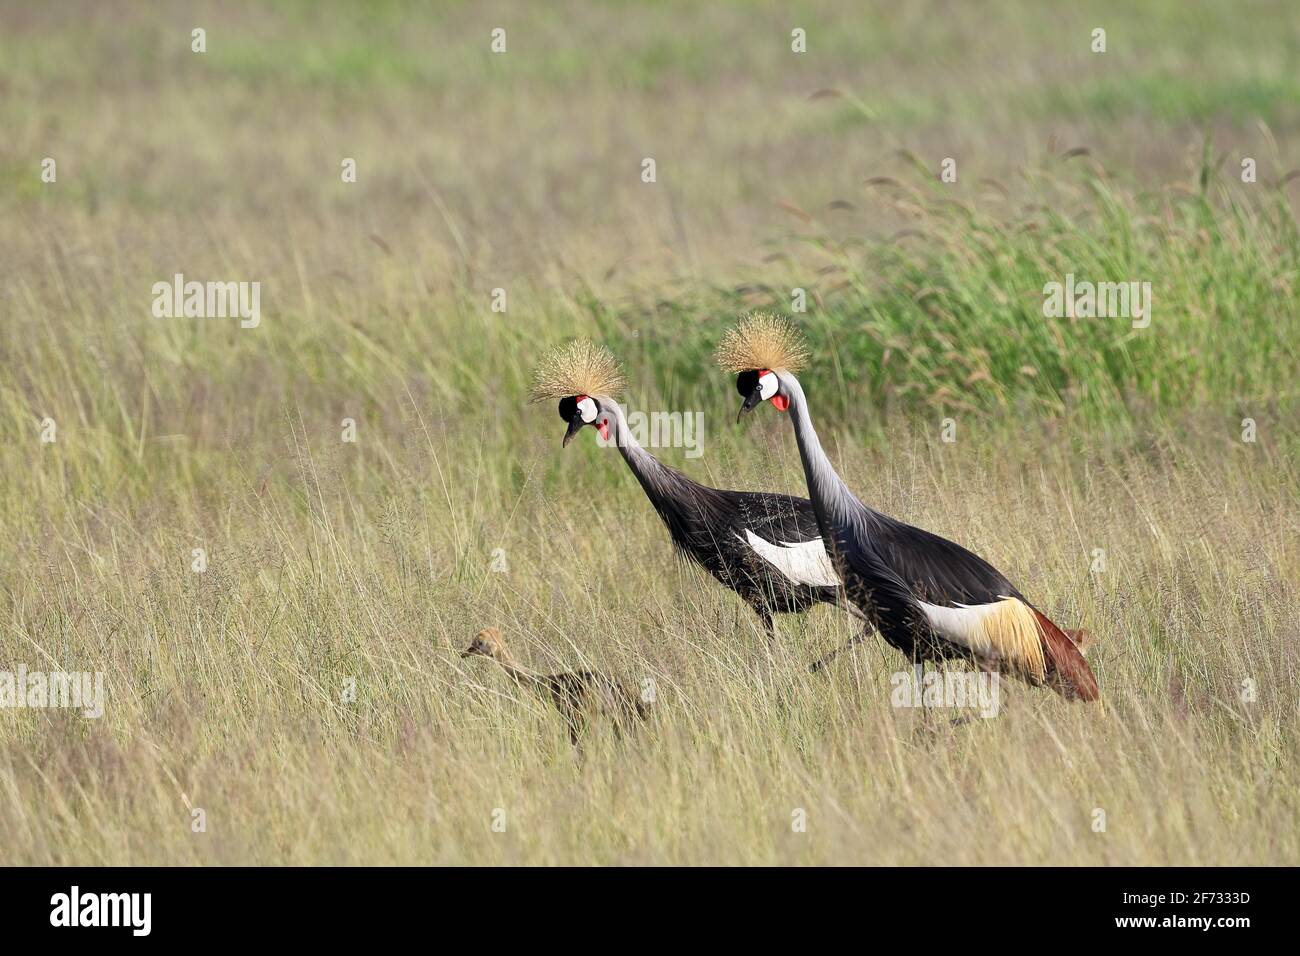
(1005, 631)
(1013, 630)
(762, 340)
(579, 368)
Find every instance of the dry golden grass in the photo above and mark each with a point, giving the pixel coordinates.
(226, 689)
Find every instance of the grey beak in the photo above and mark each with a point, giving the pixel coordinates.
(754, 398)
(575, 426)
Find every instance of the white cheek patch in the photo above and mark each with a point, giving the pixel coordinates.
(587, 408)
(767, 385)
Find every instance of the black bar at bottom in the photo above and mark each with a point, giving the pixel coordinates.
(335, 906)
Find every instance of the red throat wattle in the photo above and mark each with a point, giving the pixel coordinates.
(603, 428)
(780, 402)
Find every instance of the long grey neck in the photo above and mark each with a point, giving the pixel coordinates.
(832, 501)
(655, 477)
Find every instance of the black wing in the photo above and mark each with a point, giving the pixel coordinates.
(774, 517)
(888, 600)
(937, 570)
(708, 526)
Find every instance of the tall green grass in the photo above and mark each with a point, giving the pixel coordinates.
(946, 315)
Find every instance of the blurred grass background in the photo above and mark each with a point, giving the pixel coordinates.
(522, 171)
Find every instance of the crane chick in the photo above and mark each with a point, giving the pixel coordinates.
(577, 695)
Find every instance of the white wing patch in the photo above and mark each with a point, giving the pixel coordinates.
(963, 624)
(1004, 630)
(804, 562)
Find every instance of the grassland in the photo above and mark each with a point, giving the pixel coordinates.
(330, 562)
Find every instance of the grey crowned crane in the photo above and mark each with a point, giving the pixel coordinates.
(765, 547)
(930, 598)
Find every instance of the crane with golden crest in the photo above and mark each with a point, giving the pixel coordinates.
(764, 546)
(929, 597)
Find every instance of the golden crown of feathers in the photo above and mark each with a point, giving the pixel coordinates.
(579, 368)
(762, 340)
